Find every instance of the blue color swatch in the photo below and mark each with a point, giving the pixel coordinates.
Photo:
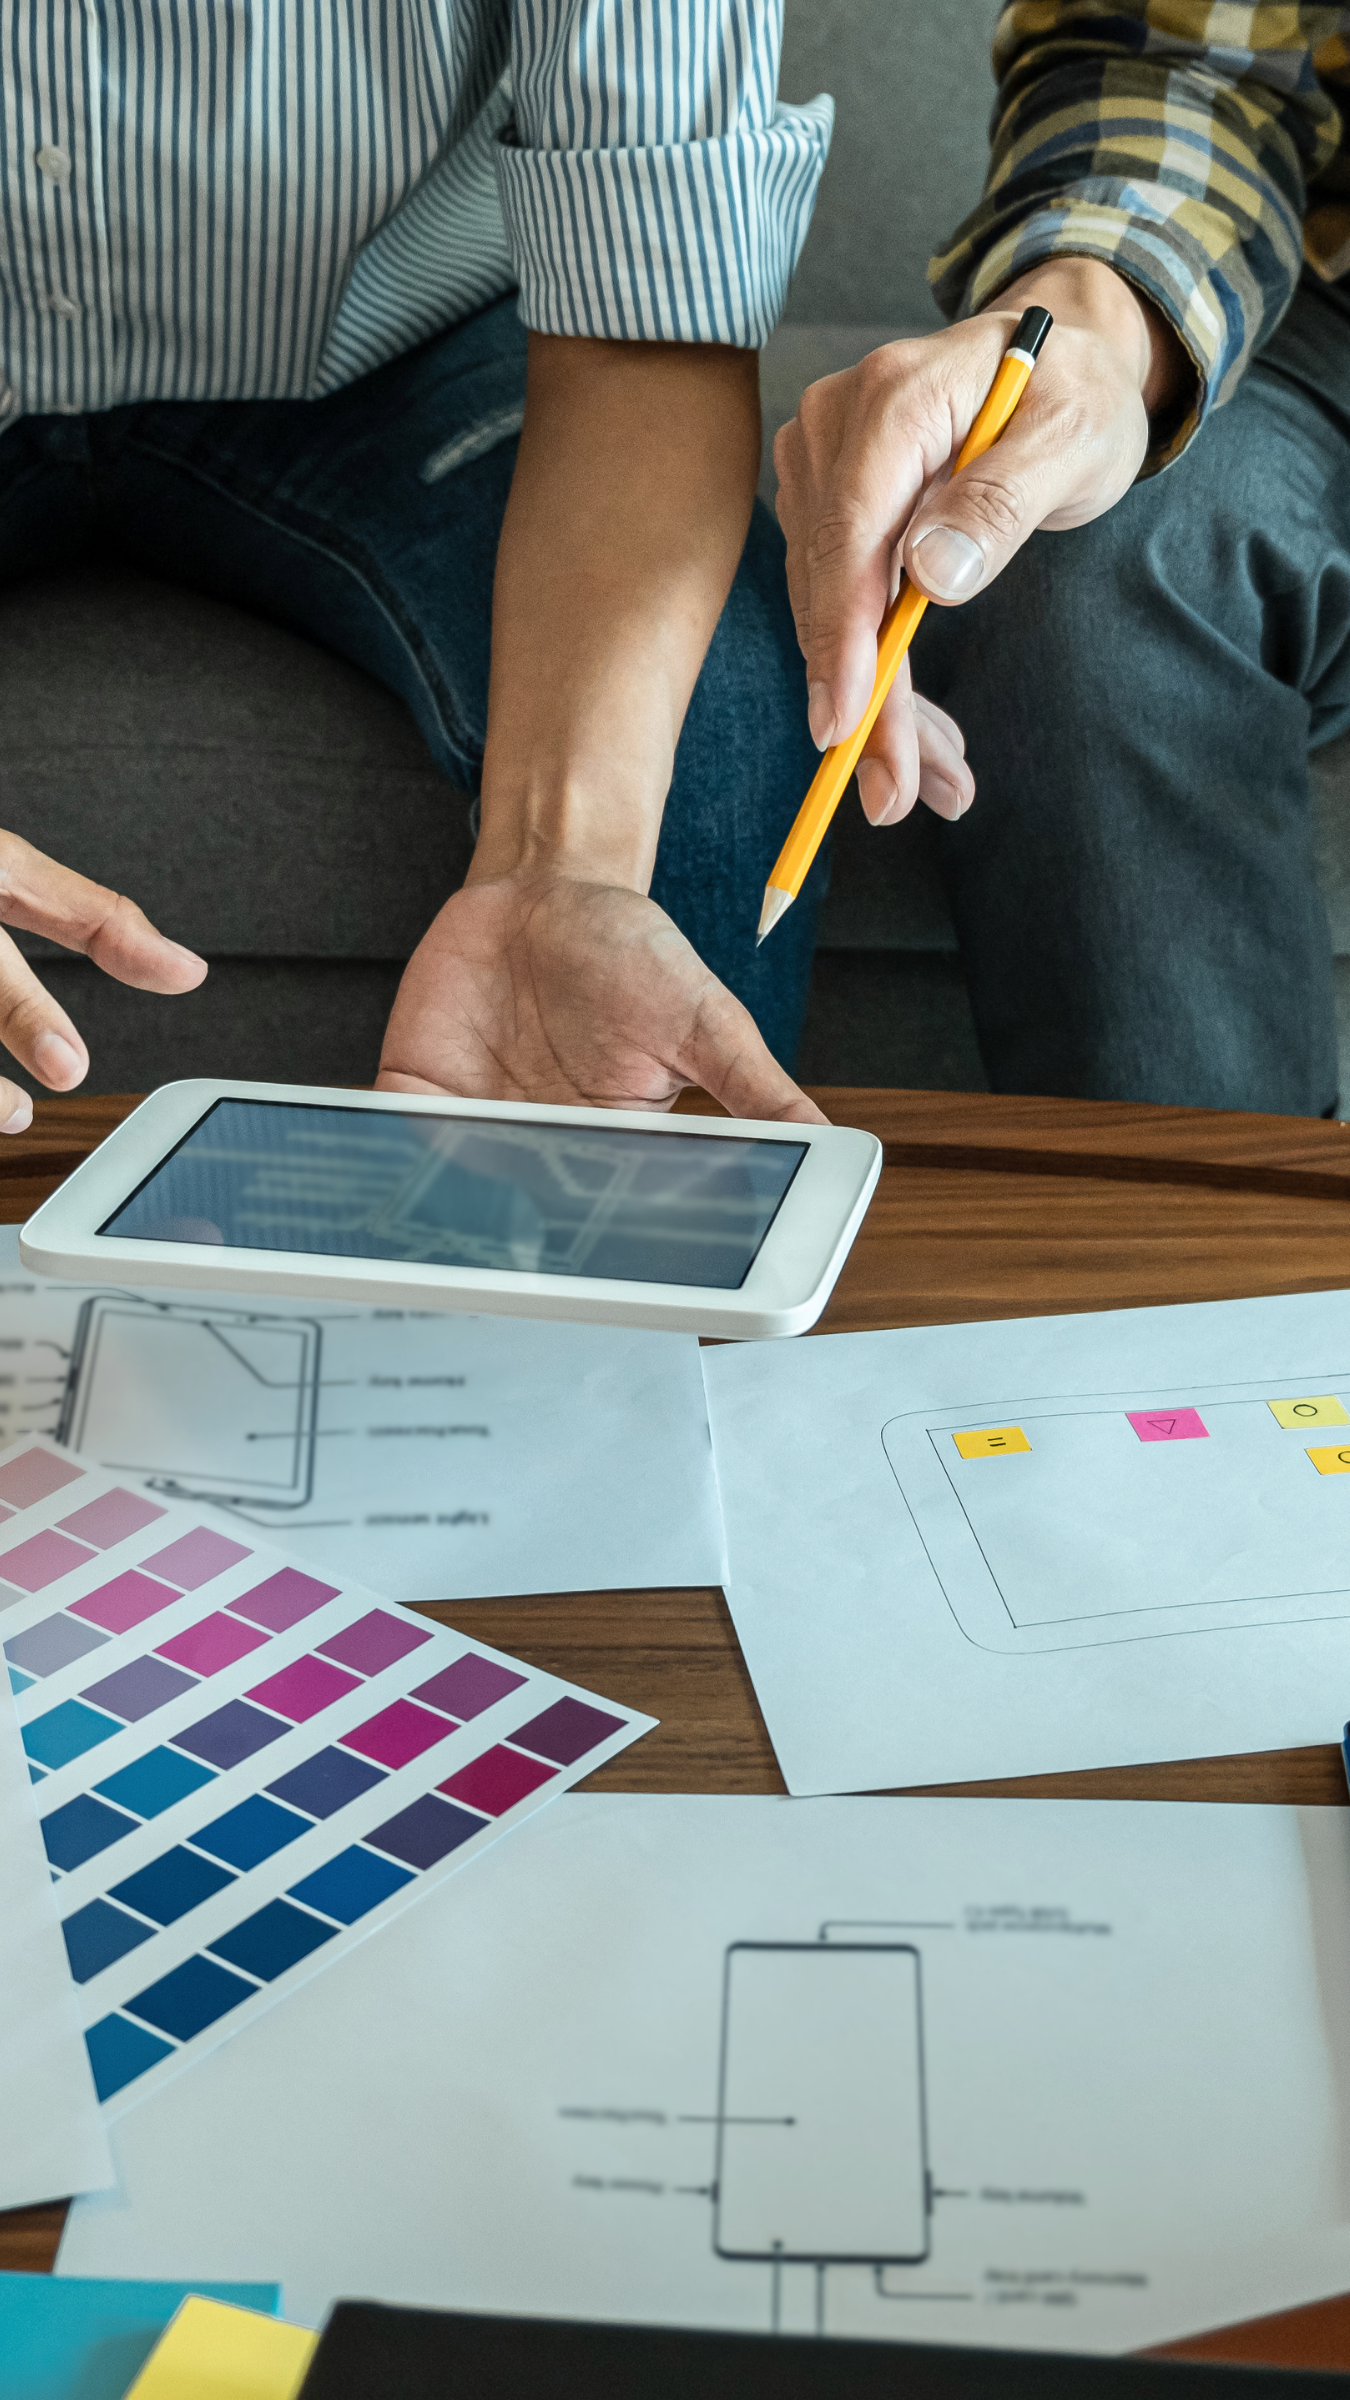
(171, 1885)
(17, 1682)
(246, 1835)
(77, 2337)
(66, 1732)
(119, 2052)
(426, 1832)
(350, 1884)
(268, 1943)
(192, 1996)
(323, 1784)
(153, 1783)
(81, 1829)
(97, 1935)
(230, 1734)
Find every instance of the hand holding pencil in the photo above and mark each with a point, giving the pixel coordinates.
(897, 631)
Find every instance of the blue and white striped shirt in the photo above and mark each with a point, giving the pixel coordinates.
(241, 199)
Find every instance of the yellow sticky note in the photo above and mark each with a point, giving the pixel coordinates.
(992, 1443)
(1331, 1462)
(1325, 1410)
(209, 2351)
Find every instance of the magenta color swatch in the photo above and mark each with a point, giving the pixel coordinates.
(283, 1600)
(398, 1733)
(375, 1641)
(497, 1780)
(566, 1731)
(28, 1479)
(212, 1643)
(128, 1600)
(5, 1514)
(196, 1558)
(111, 1518)
(468, 1686)
(303, 1688)
(1151, 1425)
(41, 1560)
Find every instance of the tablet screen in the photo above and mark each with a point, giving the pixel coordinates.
(533, 1199)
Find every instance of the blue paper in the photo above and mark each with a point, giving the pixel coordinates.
(86, 2338)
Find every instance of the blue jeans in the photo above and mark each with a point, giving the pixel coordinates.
(1135, 890)
(369, 521)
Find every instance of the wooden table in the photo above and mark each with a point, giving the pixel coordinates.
(987, 1207)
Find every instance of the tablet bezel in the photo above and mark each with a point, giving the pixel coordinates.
(784, 1291)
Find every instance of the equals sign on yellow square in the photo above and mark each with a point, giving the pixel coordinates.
(1324, 1410)
(992, 1443)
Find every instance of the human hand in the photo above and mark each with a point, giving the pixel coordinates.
(38, 896)
(865, 487)
(541, 985)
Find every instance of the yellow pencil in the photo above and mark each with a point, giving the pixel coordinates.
(812, 821)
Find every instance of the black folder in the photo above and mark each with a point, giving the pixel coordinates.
(368, 2352)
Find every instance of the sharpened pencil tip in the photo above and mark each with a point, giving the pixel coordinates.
(776, 905)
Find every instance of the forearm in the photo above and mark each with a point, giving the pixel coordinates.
(626, 520)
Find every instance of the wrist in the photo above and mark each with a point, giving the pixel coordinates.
(1089, 294)
(570, 824)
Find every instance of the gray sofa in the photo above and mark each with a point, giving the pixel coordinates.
(276, 809)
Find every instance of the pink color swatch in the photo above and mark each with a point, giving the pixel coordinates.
(212, 1643)
(303, 1688)
(41, 1560)
(468, 1686)
(128, 1600)
(375, 1641)
(111, 1518)
(284, 1599)
(398, 1733)
(497, 1780)
(1152, 1425)
(196, 1557)
(29, 1479)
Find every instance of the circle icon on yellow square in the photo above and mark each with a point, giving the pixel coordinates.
(1325, 1409)
(1331, 1462)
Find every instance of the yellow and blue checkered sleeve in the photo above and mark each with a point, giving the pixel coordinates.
(1194, 145)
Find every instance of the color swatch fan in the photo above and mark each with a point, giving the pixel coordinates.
(242, 1769)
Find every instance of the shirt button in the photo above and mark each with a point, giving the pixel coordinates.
(61, 306)
(54, 163)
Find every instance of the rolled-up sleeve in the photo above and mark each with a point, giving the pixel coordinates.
(653, 185)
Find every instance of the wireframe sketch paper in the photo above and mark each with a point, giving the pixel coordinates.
(241, 1769)
(987, 1550)
(1056, 2075)
(52, 2141)
(437, 1458)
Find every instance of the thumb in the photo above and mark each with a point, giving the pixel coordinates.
(727, 1054)
(965, 530)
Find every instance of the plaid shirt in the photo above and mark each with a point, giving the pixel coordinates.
(1200, 148)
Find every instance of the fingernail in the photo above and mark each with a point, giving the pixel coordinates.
(950, 565)
(56, 1061)
(820, 715)
(877, 790)
(21, 1118)
(189, 957)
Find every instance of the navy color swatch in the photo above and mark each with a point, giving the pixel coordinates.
(119, 2052)
(171, 1885)
(350, 1884)
(266, 1944)
(247, 1834)
(429, 1830)
(327, 1782)
(153, 1783)
(98, 1934)
(194, 1995)
(82, 1828)
(230, 1734)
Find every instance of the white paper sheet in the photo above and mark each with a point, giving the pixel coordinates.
(1090, 1592)
(52, 2140)
(434, 1457)
(1040, 2074)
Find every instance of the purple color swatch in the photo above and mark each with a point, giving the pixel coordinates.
(133, 1691)
(196, 1558)
(566, 1731)
(375, 1641)
(212, 1643)
(303, 1688)
(43, 1559)
(111, 1518)
(323, 1784)
(232, 1733)
(53, 1644)
(283, 1600)
(398, 1733)
(496, 1781)
(1151, 1425)
(28, 1479)
(128, 1600)
(469, 1686)
(426, 1832)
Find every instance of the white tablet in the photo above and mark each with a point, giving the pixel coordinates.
(709, 1225)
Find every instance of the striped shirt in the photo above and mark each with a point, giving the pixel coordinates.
(242, 199)
(1201, 148)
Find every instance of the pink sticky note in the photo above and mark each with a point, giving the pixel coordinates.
(1168, 1424)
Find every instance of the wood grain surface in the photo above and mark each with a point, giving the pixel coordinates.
(987, 1207)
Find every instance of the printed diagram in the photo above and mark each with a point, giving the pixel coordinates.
(820, 2132)
(1058, 1523)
